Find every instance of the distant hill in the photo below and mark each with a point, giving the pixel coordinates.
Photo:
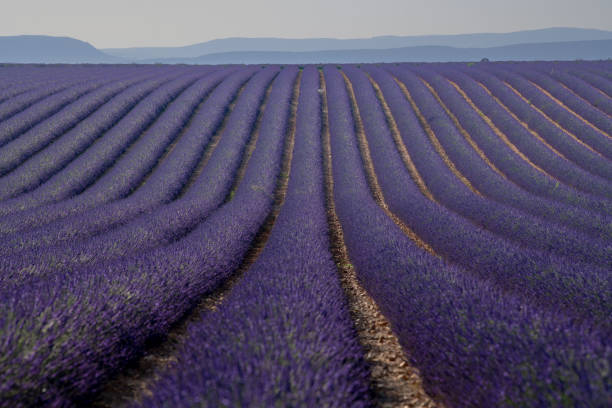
(325, 44)
(553, 44)
(46, 49)
(588, 50)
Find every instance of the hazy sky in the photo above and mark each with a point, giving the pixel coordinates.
(124, 23)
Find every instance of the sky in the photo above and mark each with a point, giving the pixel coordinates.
(133, 23)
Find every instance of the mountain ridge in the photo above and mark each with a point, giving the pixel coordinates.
(50, 49)
(47, 49)
(592, 50)
(472, 40)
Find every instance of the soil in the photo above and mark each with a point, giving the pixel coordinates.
(394, 382)
(134, 381)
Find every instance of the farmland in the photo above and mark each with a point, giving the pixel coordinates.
(327, 236)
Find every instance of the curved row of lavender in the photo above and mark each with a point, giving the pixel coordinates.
(285, 297)
(45, 133)
(164, 223)
(521, 176)
(540, 276)
(510, 223)
(164, 183)
(587, 93)
(571, 148)
(24, 85)
(110, 322)
(589, 74)
(21, 99)
(590, 136)
(543, 171)
(37, 167)
(123, 203)
(475, 344)
(574, 102)
(124, 137)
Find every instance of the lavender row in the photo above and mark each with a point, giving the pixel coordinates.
(22, 97)
(586, 111)
(40, 136)
(521, 158)
(507, 222)
(569, 148)
(581, 185)
(21, 101)
(37, 113)
(187, 155)
(164, 183)
(23, 79)
(17, 81)
(573, 69)
(540, 277)
(582, 88)
(39, 167)
(24, 100)
(474, 344)
(284, 334)
(95, 165)
(160, 225)
(104, 315)
(602, 84)
(522, 177)
(595, 139)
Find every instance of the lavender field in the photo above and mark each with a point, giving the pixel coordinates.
(410, 235)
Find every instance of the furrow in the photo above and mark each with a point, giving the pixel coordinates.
(554, 123)
(371, 174)
(93, 177)
(497, 131)
(161, 188)
(170, 148)
(44, 164)
(434, 140)
(583, 99)
(39, 114)
(570, 110)
(135, 382)
(250, 147)
(595, 81)
(462, 130)
(282, 181)
(525, 125)
(210, 148)
(401, 147)
(394, 381)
